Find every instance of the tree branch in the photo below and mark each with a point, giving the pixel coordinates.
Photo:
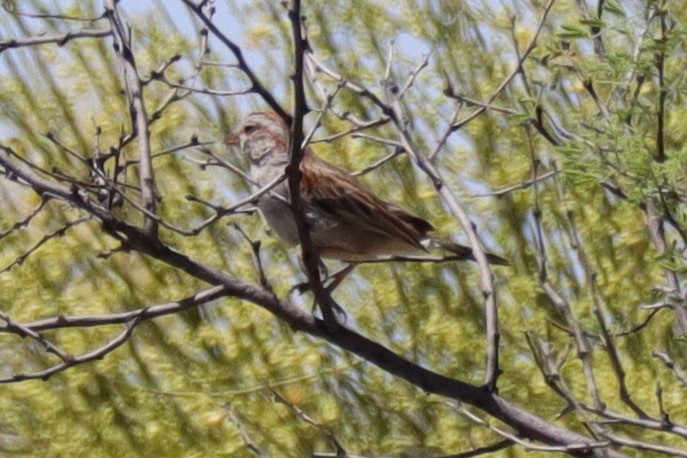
(137, 109)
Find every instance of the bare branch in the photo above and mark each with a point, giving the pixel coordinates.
(59, 40)
(11, 8)
(375, 165)
(563, 306)
(679, 372)
(527, 424)
(75, 360)
(487, 449)
(357, 127)
(517, 70)
(46, 238)
(24, 331)
(255, 248)
(524, 185)
(639, 445)
(247, 440)
(414, 74)
(646, 423)
(24, 222)
(257, 86)
(193, 143)
(220, 212)
(457, 210)
(207, 91)
(139, 116)
(599, 313)
(583, 447)
(655, 223)
(639, 326)
(144, 314)
(550, 369)
(340, 451)
(309, 255)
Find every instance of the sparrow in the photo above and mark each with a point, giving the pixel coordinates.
(347, 221)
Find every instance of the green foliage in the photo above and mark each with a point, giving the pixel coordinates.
(199, 382)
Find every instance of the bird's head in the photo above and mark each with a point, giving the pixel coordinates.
(263, 137)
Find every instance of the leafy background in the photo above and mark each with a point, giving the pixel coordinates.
(202, 381)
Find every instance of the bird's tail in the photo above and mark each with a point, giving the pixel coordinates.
(461, 252)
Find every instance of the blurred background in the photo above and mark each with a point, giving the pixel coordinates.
(556, 177)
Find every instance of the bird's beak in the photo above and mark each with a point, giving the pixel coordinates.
(232, 139)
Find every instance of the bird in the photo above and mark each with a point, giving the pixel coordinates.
(347, 221)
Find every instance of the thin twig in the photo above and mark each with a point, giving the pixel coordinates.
(215, 92)
(357, 127)
(59, 40)
(518, 69)
(569, 448)
(616, 418)
(46, 238)
(639, 445)
(524, 185)
(72, 361)
(220, 211)
(247, 440)
(679, 372)
(143, 314)
(24, 222)
(256, 84)
(378, 163)
(11, 8)
(340, 451)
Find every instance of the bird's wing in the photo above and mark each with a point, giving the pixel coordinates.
(341, 196)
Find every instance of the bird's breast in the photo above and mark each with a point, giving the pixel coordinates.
(278, 215)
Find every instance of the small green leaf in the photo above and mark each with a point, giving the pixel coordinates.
(611, 6)
(573, 32)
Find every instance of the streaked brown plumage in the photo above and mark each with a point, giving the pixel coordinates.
(347, 221)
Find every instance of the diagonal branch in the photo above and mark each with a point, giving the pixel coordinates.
(518, 69)
(24, 222)
(394, 111)
(46, 238)
(528, 425)
(256, 85)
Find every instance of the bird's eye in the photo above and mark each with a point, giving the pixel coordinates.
(249, 128)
